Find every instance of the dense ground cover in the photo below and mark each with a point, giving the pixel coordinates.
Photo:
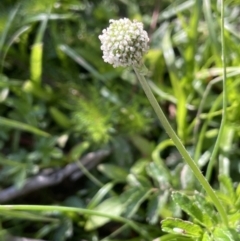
(80, 140)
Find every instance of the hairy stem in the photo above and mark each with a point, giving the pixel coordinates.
(180, 146)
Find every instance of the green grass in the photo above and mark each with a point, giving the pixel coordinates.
(59, 102)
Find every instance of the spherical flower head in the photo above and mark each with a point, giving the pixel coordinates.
(124, 43)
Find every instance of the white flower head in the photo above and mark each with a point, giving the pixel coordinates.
(124, 43)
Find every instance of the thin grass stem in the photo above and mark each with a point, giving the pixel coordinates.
(180, 146)
(83, 211)
(224, 103)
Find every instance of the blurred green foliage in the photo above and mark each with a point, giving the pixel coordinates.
(57, 94)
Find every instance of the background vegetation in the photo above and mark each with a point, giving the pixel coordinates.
(61, 106)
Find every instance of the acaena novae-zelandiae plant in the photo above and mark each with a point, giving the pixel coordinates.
(123, 44)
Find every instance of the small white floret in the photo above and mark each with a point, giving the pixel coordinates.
(124, 43)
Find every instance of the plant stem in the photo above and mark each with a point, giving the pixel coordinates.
(224, 111)
(180, 146)
(44, 208)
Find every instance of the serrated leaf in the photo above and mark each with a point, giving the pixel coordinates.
(174, 237)
(113, 172)
(189, 206)
(178, 226)
(225, 234)
(206, 207)
(225, 199)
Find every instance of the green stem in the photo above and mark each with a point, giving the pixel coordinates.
(180, 146)
(43, 208)
(207, 11)
(224, 111)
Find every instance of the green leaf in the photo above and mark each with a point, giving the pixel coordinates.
(36, 62)
(211, 24)
(20, 177)
(234, 218)
(139, 167)
(133, 198)
(74, 201)
(238, 190)
(227, 187)
(4, 94)
(152, 209)
(113, 205)
(45, 230)
(178, 226)
(174, 237)
(81, 61)
(113, 172)
(225, 234)
(22, 126)
(37, 53)
(189, 206)
(174, 9)
(6, 29)
(100, 195)
(64, 230)
(138, 181)
(237, 203)
(157, 202)
(77, 151)
(206, 207)
(158, 173)
(178, 90)
(225, 199)
(206, 237)
(60, 118)
(144, 146)
(227, 140)
(38, 91)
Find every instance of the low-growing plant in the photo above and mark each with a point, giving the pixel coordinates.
(71, 103)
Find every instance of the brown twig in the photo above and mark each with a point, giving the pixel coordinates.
(11, 238)
(49, 177)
